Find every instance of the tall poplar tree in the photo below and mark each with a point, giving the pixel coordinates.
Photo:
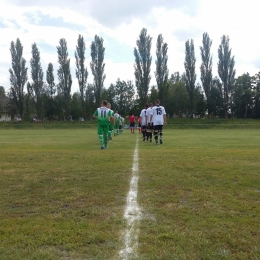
(18, 75)
(81, 70)
(190, 74)
(50, 80)
(64, 75)
(51, 88)
(90, 100)
(97, 66)
(226, 69)
(3, 100)
(206, 65)
(2, 92)
(162, 72)
(37, 78)
(29, 100)
(142, 66)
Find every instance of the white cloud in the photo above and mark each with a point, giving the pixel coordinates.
(113, 12)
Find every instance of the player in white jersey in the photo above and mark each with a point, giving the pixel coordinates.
(158, 117)
(111, 124)
(117, 119)
(120, 125)
(149, 123)
(143, 120)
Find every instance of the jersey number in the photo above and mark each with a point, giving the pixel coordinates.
(159, 111)
(103, 113)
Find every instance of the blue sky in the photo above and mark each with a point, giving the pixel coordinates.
(119, 23)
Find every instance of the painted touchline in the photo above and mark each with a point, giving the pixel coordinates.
(132, 214)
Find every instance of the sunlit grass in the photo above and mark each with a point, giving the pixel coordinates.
(61, 197)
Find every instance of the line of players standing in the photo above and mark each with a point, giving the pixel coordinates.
(116, 125)
(109, 123)
(152, 119)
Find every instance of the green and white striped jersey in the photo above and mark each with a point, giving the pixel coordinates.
(103, 114)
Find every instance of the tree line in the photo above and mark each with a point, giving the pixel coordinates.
(223, 95)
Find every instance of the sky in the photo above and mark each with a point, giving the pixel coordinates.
(119, 23)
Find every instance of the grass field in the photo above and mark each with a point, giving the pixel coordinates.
(61, 197)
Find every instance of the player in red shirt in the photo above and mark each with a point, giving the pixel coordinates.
(132, 123)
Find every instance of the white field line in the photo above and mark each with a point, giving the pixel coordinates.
(132, 214)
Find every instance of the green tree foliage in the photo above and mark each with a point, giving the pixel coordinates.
(29, 101)
(37, 79)
(162, 72)
(51, 107)
(64, 75)
(50, 80)
(59, 111)
(76, 108)
(81, 70)
(176, 77)
(104, 94)
(256, 107)
(51, 90)
(190, 74)
(178, 93)
(2, 92)
(226, 70)
(206, 65)
(215, 100)
(178, 99)
(124, 96)
(10, 106)
(142, 65)
(242, 96)
(3, 100)
(18, 76)
(90, 100)
(111, 93)
(97, 66)
(199, 101)
(154, 95)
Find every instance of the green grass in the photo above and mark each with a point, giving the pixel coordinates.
(61, 197)
(203, 198)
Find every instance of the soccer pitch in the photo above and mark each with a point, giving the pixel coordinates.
(196, 196)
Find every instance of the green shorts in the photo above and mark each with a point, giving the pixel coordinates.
(102, 129)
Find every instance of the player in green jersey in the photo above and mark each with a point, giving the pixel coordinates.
(103, 114)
